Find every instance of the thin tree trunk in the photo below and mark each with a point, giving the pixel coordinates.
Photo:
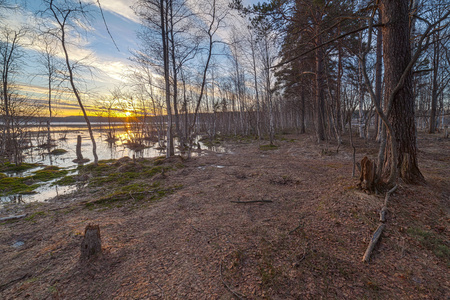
(378, 79)
(71, 78)
(164, 37)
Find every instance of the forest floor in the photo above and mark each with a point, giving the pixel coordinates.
(191, 232)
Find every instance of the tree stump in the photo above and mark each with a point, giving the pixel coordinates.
(367, 178)
(79, 155)
(91, 246)
(79, 159)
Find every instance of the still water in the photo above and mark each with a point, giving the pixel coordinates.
(65, 137)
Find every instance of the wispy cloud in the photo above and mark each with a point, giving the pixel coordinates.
(118, 7)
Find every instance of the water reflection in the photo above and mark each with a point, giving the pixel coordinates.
(65, 137)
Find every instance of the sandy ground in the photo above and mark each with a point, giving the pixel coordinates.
(246, 224)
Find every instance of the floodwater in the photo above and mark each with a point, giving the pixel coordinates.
(65, 137)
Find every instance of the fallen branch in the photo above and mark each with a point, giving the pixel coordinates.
(12, 217)
(388, 194)
(373, 242)
(6, 285)
(253, 201)
(383, 212)
(386, 201)
(237, 295)
(377, 234)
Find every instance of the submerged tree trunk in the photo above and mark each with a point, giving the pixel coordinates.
(397, 56)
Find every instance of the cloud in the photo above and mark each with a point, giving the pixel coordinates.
(118, 7)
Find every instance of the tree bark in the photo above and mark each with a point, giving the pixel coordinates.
(164, 37)
(320, 105)
(434, 91)
(378, 80)
(397, 56)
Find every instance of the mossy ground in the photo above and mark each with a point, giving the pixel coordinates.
(27, 184)
(123, 180)
(10, 167)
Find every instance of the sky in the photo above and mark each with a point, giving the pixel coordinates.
(94, 47)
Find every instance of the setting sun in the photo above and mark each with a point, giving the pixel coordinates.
(127, 113)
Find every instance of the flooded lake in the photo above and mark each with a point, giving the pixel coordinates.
(65, 137)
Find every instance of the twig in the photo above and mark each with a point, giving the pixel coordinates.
(131, 195)
(162, 291)
(227, 286)
(198, 230)
(253, 201)
(298, 227)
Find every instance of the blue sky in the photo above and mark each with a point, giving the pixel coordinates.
(110, 65)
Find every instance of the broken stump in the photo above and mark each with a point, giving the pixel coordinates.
(91, 246)
(367, 178)
(80, 159)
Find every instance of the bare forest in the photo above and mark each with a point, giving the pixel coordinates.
(233, 150)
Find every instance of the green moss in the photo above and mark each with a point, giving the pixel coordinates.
(49, 173)
(9, 167)
(66, 180)
(134, 192)
(58, 151)
(268, 147)
(16, 185)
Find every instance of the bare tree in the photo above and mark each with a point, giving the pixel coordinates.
(65, 14)
(50, 63)
(10, 60)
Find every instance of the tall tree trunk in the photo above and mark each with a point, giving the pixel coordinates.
(62, 24)
(339, 83)
(434, 91)
(378, 80)
(175, 78)
(320, 103)
(164, 37)
(397, 55)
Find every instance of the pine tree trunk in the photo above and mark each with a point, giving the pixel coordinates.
(320, 105)
(397, 55)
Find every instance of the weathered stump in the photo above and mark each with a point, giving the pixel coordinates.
(79, 155)
(79, 159)
(91, 246)
(367, 178)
